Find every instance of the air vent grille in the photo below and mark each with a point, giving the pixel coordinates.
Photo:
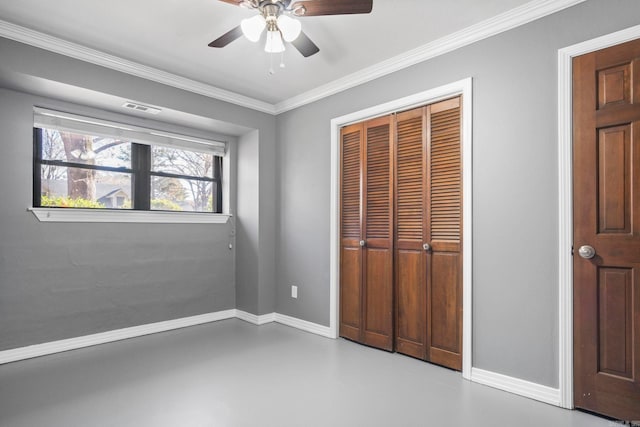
(142, 108)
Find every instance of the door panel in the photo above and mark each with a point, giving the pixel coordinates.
(606, 157)
(378, 219)
(350, 292)
(411, 294)
(378, 307)
(444, 231)
(614, 189)
(350, 231)
(411, 282)
(444, 326)
(615, 312)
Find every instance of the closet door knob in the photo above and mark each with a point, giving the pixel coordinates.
(426, 247)
(362, 243)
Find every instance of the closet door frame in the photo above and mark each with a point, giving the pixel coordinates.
(463, 88)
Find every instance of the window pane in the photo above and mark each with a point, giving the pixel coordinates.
(52, 145)
(86, 149)
(84, 188)
(174, 194)
(181, 162)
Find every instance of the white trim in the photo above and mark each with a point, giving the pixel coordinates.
(461, 87)
(77, 51)
(255, 319)
(517, 386)
(565, 194)
(124, 215)
(37, 350)
(508, 20)
(304, 325)
(467, 224)
(524, 14)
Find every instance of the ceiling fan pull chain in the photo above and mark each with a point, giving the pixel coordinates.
(282, 60)
(271, 70)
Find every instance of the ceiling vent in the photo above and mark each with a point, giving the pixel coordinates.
(141, 108)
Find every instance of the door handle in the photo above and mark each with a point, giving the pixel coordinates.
(426, 247)
(587, 252)
(363, 243)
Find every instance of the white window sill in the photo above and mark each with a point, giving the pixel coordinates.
(106, 215)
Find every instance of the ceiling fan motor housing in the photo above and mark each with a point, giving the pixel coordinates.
(275, 16)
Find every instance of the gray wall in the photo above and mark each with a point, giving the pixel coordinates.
(247, 277)
(515, 290)
(66, 280)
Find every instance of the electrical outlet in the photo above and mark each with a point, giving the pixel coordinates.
(294, 291)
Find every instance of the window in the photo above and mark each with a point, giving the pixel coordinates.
(88, 163)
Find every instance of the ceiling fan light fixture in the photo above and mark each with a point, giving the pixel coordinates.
(252, 27)
(289, 27)
(274, 42)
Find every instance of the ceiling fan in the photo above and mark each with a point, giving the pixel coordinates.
(278, 17)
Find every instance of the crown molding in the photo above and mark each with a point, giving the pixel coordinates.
(513, 18)
(83, 53)
(524, 14)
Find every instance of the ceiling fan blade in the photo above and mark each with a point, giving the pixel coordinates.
(236, 2)
(334, 7)
(305, 46)
(227, 38)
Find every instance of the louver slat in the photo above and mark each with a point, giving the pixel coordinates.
(378, 174)
(446, 176)
(409, 179)
(351, 185)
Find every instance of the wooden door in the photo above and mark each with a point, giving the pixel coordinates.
(444, 233)
(411, 226)
(351, 213)
(377, 301)
(429, 233)
(606, 188)
(366, 256)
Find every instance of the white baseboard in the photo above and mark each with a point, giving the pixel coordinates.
(44, 349)
(255, 319)
(304, 325)
(517, 386)
(37, 350)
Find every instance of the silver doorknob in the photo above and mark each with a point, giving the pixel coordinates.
(362, 243)
(587, 252)
(426, 247)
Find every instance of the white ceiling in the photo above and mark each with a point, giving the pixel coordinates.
(172, 36)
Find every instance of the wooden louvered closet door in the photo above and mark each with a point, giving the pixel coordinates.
(351, 138)
(428, 233)
(410, 256)
(444, 231)
(401, 225)
(367, 234)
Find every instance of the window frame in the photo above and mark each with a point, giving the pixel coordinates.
(141, 173)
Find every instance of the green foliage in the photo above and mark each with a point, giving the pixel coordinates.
(165, 205)
(67, 202)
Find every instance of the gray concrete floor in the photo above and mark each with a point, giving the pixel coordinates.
(231, 373)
